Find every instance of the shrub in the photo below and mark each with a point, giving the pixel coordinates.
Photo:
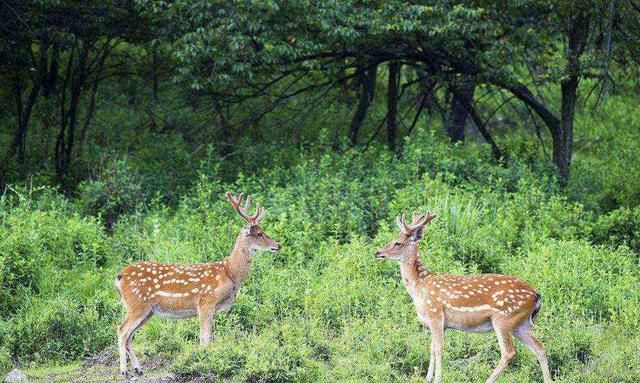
(37, 243)
(618, 227)
(115, 189)
(48, 328)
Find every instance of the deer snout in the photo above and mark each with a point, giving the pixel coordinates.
(275, 248)
(379, 255)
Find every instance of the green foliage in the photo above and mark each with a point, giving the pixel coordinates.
(37, 243)
(283, 353)
(59, 328)
(115, 190)
(620, 226)
(324, 309)
(606, 167)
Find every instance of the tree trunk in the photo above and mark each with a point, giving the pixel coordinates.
(154, 73)
(51, 74)
(462, 95)
(392, 104)
(479, 123)
(367, 80)
(18, 138)
(69, 117)
(563, 138)
(59, 147)
(23, 111)
(92, 106)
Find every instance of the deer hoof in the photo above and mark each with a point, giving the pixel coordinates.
(139, 371)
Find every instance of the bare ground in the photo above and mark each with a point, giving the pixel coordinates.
(103, 368)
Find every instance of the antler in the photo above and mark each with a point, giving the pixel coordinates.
(243, 211)
(418, 220)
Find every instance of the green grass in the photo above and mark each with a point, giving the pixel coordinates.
(324, 309)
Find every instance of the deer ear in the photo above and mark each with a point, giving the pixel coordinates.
(417, 233)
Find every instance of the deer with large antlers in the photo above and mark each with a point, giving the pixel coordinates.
(472, 303)
(180, 291)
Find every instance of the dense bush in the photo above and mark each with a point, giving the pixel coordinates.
(115, 190)
(620, 226)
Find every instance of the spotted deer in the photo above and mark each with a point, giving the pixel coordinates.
(172, 290)
(472, 303)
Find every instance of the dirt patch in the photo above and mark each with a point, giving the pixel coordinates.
(103, 368)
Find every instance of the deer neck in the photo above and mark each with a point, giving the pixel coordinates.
(238, 262)
(412, 270)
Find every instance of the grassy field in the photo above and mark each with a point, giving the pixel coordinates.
(324, 309)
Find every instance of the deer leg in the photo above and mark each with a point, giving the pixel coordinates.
(505, 340)
(129, 344)
(205, 314)
(525, 335)
(432, 364)
(437, 341)
(123, 335)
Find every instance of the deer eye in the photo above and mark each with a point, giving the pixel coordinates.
(397, 244)
(260, 235)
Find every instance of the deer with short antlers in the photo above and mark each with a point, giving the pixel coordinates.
(473, 303)
(180, 291)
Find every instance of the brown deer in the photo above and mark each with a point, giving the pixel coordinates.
(473, 303)
(172, 290)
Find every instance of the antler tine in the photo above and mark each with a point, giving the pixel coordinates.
(255, 216)
(417, 217)
(260, 215)
(235, 202)
(401, 223)
(243, 211)
(420, 220)
(246, 204)
(426, 218)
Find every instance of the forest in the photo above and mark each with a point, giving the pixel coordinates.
(124, 122)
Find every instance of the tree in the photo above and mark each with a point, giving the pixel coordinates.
(460, 98)
(260, 46)
(393, 86)
(60, 49)
(366, 79)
